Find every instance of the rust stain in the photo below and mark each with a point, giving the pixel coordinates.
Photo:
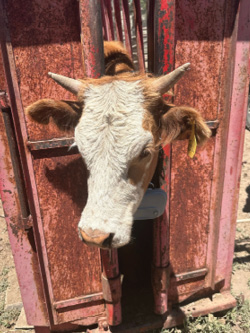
(189, 206)
(70, 261)
(3, 84)
(201, 46)
(53, 39)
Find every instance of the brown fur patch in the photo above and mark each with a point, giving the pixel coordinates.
(112, 47)
(169, 121)
(117, 59)
(177, 124)
(65, 114)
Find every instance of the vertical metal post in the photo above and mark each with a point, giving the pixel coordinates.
(126, 26)
(91, 37)
(107, 19)
(111, 284)
(150, 28)
(118, 21)
(164, 13)
(139, 36)
(234, 149)
(92, 44)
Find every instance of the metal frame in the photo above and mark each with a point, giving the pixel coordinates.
(18, 177)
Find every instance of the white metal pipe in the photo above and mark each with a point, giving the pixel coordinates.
(242, 221)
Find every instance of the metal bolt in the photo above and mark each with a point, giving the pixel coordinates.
(155, 212)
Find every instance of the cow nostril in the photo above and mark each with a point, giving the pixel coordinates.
(108, 241)
(96, 239)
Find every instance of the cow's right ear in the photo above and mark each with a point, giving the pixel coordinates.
(177, 125)
(65, 114)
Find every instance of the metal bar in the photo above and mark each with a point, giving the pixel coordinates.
(108, 19)
(164, 26)
(92, 43)
(164, 13)
(79, 300)
(190, 275)
(110, 274)
(139, 37)
(161, 262)
(104, 25)
(111, 289)
(50, 144)
(150, 31)
(91, 37)
(126, 26)
(67, 142)
(118, 22)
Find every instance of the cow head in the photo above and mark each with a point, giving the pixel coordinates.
(120, 123)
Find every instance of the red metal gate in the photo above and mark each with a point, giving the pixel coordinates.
(63, 282)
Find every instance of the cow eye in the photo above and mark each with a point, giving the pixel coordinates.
(145, 153)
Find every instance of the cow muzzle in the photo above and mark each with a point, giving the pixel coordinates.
(96, 238)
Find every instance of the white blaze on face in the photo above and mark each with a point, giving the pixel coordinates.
(109, 136)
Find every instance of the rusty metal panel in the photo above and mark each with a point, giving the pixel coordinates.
(61, 204)
(185, 31)
(189, 208)
(224, 106)
(204, 88)
(200, 35)
(22, 242)
(44, 37)
(51, 41)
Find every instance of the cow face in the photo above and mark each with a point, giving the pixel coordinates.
(120, 123)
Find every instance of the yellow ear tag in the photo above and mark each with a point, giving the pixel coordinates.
(192, 144)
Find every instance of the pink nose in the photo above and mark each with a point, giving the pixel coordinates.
(96, 238)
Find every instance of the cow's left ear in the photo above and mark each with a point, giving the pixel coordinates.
(177, 122)
(65, 114)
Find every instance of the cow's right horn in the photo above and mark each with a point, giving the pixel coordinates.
(166, 82)
(69, 84)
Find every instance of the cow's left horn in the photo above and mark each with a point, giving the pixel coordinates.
(166, 82)
(69, 84)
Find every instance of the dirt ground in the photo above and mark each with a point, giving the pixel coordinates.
(10, 300)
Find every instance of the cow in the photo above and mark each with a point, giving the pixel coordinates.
(120, 120)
